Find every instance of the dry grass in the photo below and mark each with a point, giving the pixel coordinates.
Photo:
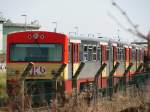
(135, 100)
(116, 105)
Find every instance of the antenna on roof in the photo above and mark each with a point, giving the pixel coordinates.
(118, 31)
(90, 35)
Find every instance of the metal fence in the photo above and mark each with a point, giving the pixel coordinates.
(55, 99)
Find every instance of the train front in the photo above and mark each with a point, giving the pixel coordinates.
(49, 53)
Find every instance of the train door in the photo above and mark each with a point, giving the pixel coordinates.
(104, 60)
(114, 46)
(74, 56)
(142, 58)
(133, 69)
(138, 57)
(127, 61)
(114, 54)
(121, 59)
(130, 57)
(109, 58)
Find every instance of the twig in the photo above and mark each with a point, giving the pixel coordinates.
(134, 29)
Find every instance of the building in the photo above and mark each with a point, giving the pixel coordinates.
(7, 26)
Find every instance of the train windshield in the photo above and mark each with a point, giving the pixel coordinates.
(36, 52)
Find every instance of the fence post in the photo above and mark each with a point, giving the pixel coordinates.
(22, 78)
(124, 76)
(56, 76)
(98, 73)
(110, 79)
(74, 84)
(74, 78)
(139, 68)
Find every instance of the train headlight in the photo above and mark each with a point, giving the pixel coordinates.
(30, 36)
(42, 36)
(35, 35)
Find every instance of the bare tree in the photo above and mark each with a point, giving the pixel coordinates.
(134, 29)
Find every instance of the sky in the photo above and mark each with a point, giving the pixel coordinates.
(90, 16)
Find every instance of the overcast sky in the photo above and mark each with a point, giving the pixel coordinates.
(91, 16)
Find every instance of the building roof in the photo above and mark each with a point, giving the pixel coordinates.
(9, 23)
(2, 19)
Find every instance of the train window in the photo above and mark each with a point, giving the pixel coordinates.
(90, 57)
(90, 52)
(94, 56)
(81, 52)
(133, 54)
(85, 48)
(98, 53)
(122, 54)
(94, 53)
(85, 56)
(90, 48)
(94, 49)
(85, 53)
(36, 52)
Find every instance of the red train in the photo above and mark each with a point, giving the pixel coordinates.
(49, 51)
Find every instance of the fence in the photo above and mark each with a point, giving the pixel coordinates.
(39, 98)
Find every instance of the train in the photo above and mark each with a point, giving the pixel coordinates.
(59, 56)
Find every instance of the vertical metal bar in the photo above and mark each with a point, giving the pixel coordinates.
(75, 76)
(99, 72)
(124, 75)
(110, 79)
(22, 78)
(139, 68)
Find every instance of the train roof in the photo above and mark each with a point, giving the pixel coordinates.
(96, 39)
(106, 40)
(90, 39)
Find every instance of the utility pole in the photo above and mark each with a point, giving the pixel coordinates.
(77, 30)
(25, 23)
(55, 29)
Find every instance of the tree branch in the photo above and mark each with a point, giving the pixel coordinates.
(135, 30)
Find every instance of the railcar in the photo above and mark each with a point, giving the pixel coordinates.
(49, 51)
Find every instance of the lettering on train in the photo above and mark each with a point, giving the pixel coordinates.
(36, 71)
